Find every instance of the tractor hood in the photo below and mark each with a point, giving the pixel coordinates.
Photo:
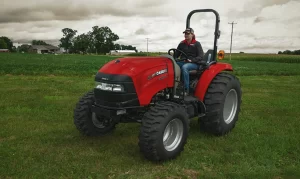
(133, 66)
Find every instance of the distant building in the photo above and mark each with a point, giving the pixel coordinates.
(121, 52)
(17, 44)
(62, 50)
(40, 49)
(4, 50)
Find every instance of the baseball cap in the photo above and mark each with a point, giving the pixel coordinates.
(189, 30)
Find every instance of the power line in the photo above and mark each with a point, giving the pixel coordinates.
(147, 45)
(232, 23)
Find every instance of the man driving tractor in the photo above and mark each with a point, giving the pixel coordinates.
(195, 54)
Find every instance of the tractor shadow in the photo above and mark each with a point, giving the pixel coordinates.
(120, 144)
(197, 134)
(195, 129)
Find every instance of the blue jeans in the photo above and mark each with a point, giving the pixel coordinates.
(185, 68)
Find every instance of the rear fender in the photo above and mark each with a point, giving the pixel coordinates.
(207, 76)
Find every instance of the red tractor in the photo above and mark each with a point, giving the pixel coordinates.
(149, 90)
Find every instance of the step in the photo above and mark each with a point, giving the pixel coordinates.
(190, 98)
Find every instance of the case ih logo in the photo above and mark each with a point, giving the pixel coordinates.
(157, 73)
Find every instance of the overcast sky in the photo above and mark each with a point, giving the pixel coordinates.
(263, 26)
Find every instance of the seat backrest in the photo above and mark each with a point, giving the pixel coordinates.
(208, 56)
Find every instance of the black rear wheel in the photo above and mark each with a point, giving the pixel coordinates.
(223, 102)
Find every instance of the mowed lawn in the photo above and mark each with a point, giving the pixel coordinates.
(39, 140)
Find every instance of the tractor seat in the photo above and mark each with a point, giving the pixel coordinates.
(202, 67)
(198, 71)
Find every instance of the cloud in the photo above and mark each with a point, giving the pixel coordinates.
(262, 26)
(254, 7)
(70, 11)
(259, 19)
(270, 43)
(267, 3)
(141, 31)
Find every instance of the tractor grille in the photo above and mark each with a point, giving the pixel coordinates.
(112, 99)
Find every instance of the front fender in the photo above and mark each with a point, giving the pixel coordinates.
(207, 76)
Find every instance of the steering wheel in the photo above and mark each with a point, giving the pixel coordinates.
(174, 49)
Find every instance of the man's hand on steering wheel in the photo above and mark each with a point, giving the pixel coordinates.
(185, 55)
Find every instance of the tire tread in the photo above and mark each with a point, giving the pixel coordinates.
(214, 100)
(151, 129)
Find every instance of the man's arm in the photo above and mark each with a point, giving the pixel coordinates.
(199, 53)
(176, 52)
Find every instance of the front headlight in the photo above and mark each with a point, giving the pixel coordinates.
(110, 87)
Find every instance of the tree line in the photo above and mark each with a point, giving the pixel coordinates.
(6, 43)
(99, 40)
(289, 52)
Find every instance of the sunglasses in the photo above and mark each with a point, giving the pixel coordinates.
(187, 33)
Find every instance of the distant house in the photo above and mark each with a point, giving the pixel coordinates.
(4, 50)
(121, 52)
(17, 44)
(41, 49)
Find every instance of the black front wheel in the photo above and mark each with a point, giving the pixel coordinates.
(87, 122)
(164, 131)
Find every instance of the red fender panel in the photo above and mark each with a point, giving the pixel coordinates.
(207, 76)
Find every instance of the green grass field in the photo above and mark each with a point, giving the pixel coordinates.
(38, 139)
(82, 65)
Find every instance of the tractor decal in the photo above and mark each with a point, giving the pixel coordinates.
(157, 73)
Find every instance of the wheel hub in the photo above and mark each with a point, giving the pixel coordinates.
(173, 134)
(99, 122)
(230, 106)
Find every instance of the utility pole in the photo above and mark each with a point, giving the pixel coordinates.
(232, 23)
(147, 45)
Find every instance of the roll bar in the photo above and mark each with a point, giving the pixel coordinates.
(217, 31)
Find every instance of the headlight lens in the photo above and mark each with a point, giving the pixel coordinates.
(109, 87)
